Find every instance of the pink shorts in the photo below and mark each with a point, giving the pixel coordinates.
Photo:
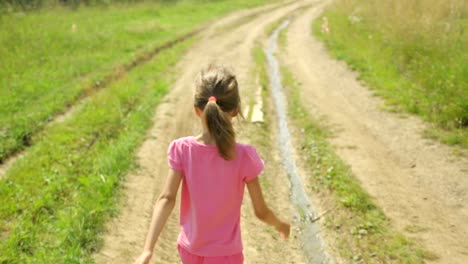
(189, 258)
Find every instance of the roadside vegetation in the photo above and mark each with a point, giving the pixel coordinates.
(57, 197)
(412, 53)
(53, 57)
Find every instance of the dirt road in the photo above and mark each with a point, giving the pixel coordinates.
(229, 41)
(418, 183)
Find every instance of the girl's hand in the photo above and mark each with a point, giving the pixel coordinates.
(284, 228)
(144, 258)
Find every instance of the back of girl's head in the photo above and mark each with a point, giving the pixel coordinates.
(219, 84)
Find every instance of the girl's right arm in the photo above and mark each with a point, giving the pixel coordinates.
(162, 210)
(263, 212)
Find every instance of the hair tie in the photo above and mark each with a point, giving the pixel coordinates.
(212, 98)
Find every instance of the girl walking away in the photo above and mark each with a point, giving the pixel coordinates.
(213, 169)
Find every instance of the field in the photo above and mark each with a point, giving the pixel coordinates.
(91, 96)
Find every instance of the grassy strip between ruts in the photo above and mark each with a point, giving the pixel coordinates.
(412, 53)
(49, 57)
(56, 199)
(262, 135)
(362, 232)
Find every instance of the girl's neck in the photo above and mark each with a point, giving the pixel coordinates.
(205, 138)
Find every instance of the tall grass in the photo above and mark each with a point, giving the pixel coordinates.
(412, 52)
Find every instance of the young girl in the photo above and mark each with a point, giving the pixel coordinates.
(213, 169)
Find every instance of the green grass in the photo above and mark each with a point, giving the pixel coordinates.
(56, 199)
(362, 230)
(261, 134)
(46, 66)
(413, 55)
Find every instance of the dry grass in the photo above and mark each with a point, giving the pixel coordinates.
(438, 18)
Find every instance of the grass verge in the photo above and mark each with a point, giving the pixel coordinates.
(412, 54)
(51, 57)
(56, 199)
(262, 137)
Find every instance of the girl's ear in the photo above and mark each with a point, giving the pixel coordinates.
(198, 111)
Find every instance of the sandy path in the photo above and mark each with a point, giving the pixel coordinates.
(418, 183)
(174, 118)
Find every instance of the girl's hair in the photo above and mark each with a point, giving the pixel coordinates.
(219, 82)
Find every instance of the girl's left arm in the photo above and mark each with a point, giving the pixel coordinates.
(162, 209)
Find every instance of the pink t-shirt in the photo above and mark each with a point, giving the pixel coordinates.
(212, 193)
